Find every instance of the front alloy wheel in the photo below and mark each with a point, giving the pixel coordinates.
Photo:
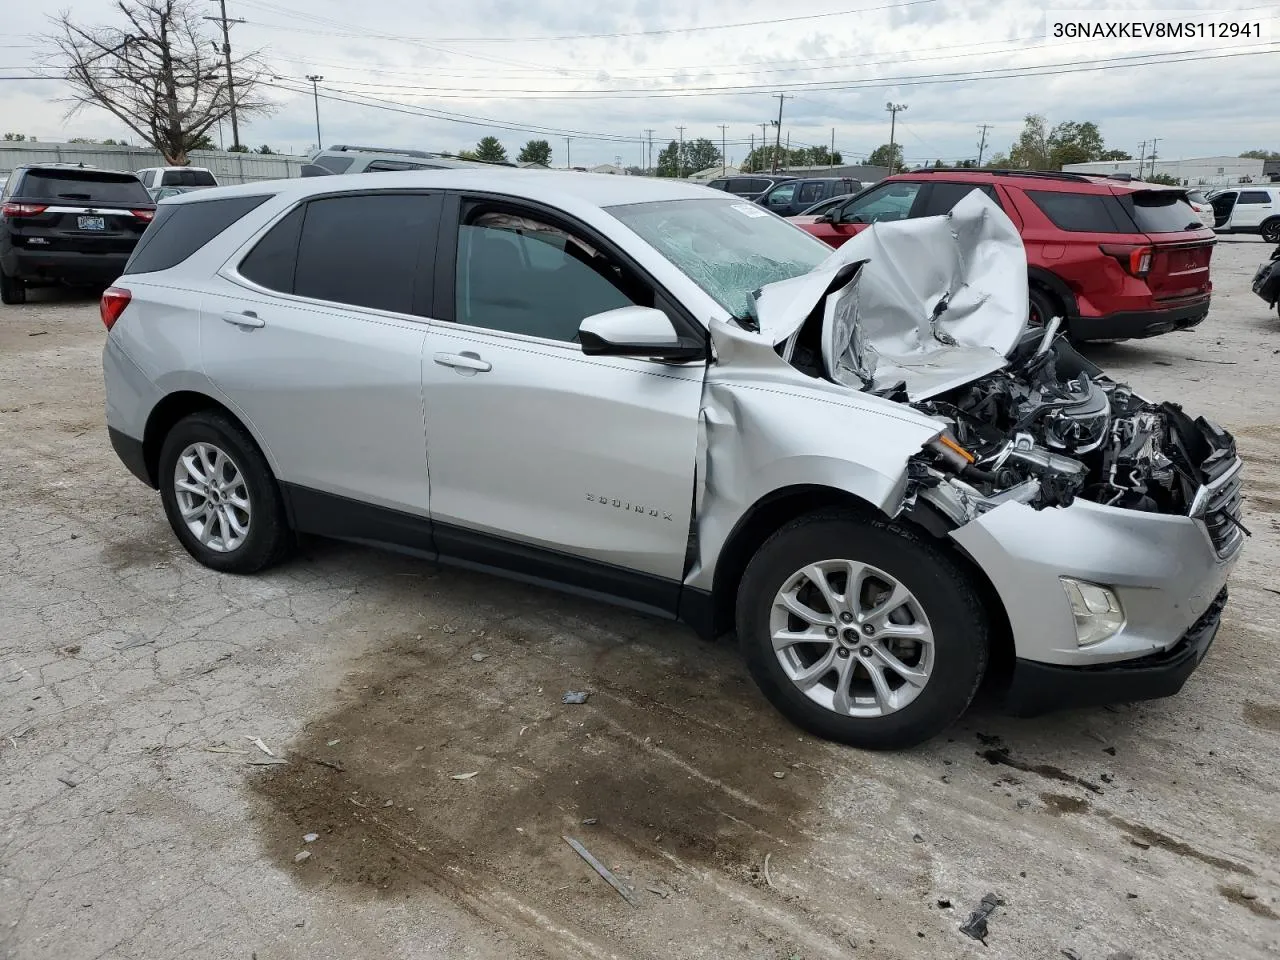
(852, 638)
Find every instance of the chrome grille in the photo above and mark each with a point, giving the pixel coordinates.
(1222, 511)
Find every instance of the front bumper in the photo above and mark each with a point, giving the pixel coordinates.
(1037, 688)
(1137, 324)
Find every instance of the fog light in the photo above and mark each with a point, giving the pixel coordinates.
(1096, 610)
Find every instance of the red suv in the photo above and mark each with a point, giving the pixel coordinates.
(1115, 258)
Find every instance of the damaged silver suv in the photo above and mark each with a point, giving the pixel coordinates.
(655, 394)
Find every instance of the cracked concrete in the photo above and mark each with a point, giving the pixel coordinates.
(138, 822)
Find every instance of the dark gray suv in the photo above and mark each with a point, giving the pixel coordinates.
(795, 196)
(748, 187)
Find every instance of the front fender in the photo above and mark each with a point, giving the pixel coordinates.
(766, 426)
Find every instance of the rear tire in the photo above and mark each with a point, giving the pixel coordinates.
(12, 290)
(1041, 307)
(220, 497)
(915, 618)
(1271, 230)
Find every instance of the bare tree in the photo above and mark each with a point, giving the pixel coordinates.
(160, 74)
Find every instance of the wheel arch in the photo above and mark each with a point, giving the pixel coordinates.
(172, 408)
(1056, 287)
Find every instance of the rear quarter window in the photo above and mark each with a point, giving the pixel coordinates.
(1083, 212)
(180, 229)
(188, 178)
(79, 186)
(1161, 211)
(334, 164)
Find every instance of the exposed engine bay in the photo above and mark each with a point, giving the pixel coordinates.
(1050, 427)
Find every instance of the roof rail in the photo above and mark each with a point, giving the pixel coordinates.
(1045, 174)
(344, 147)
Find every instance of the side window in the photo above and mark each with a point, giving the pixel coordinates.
(1254, 196)
(892, 201)
(1083, 212)
(812, 192)
(781, 195)
(334, 164)
(717, 184)
(384, 165)
(179, 230)
(363, 249)
(272, 261)
(757, 185)
(518, 274)
(944, 196)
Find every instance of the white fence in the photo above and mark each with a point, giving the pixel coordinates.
(229, 168)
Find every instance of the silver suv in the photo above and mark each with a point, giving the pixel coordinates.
(655, 394)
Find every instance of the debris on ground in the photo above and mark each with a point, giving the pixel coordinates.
(779, 774)
(257, 742)
(301, 855)
(658, 891)
(590, 822)
(575, 696)
(464, 776)
(623, 890)
(976, 925)
(267, 762)
(333, 743)
(331, 764)
(768, 877)
(944, 904)
(70, 783)
(479, 657)
(1071, 954)
(222, 748)
(917, 838)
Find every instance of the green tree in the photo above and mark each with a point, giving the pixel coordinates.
(1164, 178)
(490, 150)
(238, 148)
(1072, 142)
(1247, 155)
(264, 149)
(203, 142)
(698, 155)
(1115, 155)
(535, 151)
(1031, 150)
(16, 137)
(884, 156)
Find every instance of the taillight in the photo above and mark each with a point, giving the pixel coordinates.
(144, 215)
(114, 300)
(1135, 259)
(16, 210)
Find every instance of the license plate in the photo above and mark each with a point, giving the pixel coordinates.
(92, 223)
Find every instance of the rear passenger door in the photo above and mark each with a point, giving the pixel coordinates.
(941, 197)
(1252, 207)
(314, 334)
(810, 192)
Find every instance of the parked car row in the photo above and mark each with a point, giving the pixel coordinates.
(635, 390)
(1251, 208)
(786, 195)
(1116, 259)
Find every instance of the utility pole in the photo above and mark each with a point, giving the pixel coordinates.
(894, 109)
(724, 155)
(982, 144)
(1154, 141)
(1142, 157)
(315, 94)
(752, 148)
(680, 156)
(226, 53)
(777, 142)
(831, 157)
(648, 166)
(568, 156)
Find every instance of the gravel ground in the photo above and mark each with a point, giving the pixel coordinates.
(141, 821)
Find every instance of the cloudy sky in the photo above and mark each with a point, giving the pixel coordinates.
(450, 72)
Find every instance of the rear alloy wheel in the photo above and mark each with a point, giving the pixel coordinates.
(861, 631)
(1040, 307)
(220, 496)
(12, 290)
(1271, 230)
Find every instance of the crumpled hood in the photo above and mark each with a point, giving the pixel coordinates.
(932, 303)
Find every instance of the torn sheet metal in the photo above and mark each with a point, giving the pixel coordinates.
(935, 303)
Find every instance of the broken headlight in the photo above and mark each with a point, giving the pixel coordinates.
(1096, 610)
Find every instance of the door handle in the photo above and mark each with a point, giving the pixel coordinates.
(246, 320)
(467, 360)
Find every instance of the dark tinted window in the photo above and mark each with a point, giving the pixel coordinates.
(180, 229)
(84, 186)
(1161, 211)
(1254, 196)
(718, 184)
(944, 196)
(363, 250)
(812, 192)
(272, 260)
(334, 164)
(1083, 212)
(188, 178)
(384, 165)
(521, 276)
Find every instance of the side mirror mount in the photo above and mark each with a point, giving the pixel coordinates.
(641, 332)
(825, 217)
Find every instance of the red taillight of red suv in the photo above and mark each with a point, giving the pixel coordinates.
(144, 215)
(114, 300)
(1134, 258)
(13, 211)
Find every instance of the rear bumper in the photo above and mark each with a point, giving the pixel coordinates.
(1037, 688)
(1139, 323)
(62, 266)
(130, 452)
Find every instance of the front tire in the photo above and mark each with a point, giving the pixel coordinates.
(1041, 308)
(862, 631)
(1271, 230)
(12, 290)
(220, 497)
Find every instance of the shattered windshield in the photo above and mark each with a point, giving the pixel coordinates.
(729, 248)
